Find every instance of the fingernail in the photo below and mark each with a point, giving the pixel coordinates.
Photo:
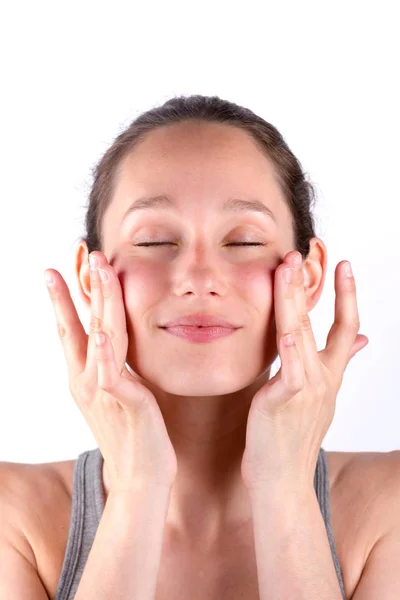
(48, 278)
(287, 274)
(348, 271)
(298, 259)
(103, 275)
(92, 262)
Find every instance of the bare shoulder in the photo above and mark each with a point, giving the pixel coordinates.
(365, 479)
(35, 508)
(364, 501)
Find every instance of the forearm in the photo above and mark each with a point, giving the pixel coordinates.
(125, 556)
(293, 554)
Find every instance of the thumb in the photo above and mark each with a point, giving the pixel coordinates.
(360, 342)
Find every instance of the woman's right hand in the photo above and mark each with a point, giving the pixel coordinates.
(122, 414)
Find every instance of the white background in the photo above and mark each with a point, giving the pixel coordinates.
(73, 75)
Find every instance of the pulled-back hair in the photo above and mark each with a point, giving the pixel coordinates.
(297, 191)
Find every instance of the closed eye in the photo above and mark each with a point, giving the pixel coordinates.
(246, 244)
(171, 243)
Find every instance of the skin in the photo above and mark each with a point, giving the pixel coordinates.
(198, 166)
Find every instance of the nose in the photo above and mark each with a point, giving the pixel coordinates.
(198, 273)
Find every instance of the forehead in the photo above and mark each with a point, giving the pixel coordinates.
(202, 151)
(198, 165)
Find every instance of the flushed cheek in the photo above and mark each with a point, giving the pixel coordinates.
(258, 293)
(145, 286)
(255, 280)
(142, 289)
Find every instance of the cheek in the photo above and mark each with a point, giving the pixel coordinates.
(142, 285)
(255, 285)
(255, 280)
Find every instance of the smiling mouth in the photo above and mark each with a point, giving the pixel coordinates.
(199, 327)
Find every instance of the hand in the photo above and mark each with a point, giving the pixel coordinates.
(290, 415)
(122, 414)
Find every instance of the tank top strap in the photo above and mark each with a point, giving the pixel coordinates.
(86, 510)
(321, 484)
(88, 505)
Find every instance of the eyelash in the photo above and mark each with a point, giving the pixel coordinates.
(145, 244)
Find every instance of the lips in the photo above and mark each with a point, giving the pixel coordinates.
(201, 320)
(199, 334)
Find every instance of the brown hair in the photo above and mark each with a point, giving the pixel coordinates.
(298, 192)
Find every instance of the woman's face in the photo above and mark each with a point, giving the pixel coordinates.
(199, 167)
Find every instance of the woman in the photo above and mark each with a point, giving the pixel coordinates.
(209, 479)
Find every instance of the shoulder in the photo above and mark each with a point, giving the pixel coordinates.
(364, 501)
(35, 500)
(372, 477)
(364, 483)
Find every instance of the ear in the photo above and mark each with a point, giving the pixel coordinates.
(314, 272)
(83, 273)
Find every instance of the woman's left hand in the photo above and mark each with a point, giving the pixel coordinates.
(290, 415)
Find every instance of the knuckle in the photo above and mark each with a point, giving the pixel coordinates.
(95, 285)
(293, 385)
(107, 293)
(296, 386)
(297, 332)
(354, 324)
(305, 322)
(106, 386)
(96, 324)
(110, 332)
(61, 330)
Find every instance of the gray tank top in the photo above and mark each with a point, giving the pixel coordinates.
(88, 505)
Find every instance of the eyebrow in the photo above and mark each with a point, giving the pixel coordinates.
(162, 202)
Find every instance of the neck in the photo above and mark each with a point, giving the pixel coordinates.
(208, 499)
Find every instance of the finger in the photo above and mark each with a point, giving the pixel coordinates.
(286, 383)
(127, 391)
(343, 332)
(107, 371)
(114, 317)
(96, 316)
(286, 316)
(70, 329)
(293, 376)
(360, 342)
(310, 356)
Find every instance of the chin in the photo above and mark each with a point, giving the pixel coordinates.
(190, 382)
